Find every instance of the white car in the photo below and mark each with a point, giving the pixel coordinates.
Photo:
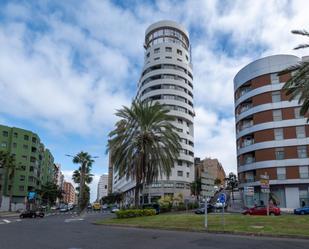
(115, 209)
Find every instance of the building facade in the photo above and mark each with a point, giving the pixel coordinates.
(213, 168)
(34, 165)
(69, 193)
(102, 187)
(167, 78)
(272, 136)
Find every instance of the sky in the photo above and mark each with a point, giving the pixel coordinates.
(67, 66)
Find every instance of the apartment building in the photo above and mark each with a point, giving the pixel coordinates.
(271, 135)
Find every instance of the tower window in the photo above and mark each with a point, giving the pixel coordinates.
(157, 50)
(179, 52)
(168, 49)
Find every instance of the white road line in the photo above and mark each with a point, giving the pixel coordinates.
(70, 220)
(7, 221)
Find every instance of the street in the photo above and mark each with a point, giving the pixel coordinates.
(72, 232)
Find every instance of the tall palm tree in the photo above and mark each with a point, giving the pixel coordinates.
(85, 160)
(297, 87)
(144, 143)
(8, 163)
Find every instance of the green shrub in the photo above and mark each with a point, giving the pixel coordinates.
(130, 213)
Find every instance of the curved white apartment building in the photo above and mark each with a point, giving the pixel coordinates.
(272, 137)
(167, 78)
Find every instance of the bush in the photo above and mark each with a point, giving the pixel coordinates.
(130, 213)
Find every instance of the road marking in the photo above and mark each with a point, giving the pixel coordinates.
(70, 220)
(7, 221)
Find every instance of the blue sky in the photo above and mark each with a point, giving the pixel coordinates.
(66, 66)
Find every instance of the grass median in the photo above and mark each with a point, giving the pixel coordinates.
(286, 225)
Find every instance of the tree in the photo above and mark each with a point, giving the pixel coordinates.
(8, 163)
(232, 182)
(196, 187)
(50, 192)
(297, 87)
(83, 175)
(144, 144)
(217, 182)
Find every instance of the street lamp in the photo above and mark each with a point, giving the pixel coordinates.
(82, 177)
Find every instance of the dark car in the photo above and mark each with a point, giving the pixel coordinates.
(261, 210)
(303, 210)
(31, 214)
(201, 210)
(154, 206)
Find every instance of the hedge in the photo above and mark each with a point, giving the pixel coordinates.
(130, 213)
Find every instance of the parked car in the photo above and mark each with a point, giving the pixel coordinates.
(114, 209)
(262, 210)
(303, 210)
(31, 214)
(201, 209)
(154, 206)
(64, 209)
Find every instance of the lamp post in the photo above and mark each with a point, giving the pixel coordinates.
(83, 167)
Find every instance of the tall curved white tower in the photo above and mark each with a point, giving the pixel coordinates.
(167, 78)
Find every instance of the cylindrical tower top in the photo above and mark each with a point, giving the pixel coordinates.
(166, 31)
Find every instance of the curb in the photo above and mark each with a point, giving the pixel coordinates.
(285, 236)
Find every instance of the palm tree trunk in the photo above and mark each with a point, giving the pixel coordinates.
(81, 186)
(136, 194)
(11, 196)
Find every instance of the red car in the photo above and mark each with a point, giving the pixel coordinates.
(262, 210)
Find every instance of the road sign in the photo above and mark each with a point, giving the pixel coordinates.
(222, 198)
(31, 195)
(265, 190)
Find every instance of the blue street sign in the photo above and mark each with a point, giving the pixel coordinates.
(222, 198)
(31, 195)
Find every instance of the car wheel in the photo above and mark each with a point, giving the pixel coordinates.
(33, 216)
(272, 214)
(302, 212)
(21, 216)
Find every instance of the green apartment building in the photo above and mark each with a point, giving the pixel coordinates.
(34, 164)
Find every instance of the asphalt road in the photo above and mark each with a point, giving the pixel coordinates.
(71, 232)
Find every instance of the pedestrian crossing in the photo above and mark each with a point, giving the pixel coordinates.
(8, 221)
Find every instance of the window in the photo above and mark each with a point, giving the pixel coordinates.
(31, 178)
(25, 146)
(179, 60)
(24, 157)
(22, 178)
(276, 96)
(281, 173)
(147, 55)
(179, 163)
(277, 115)
(21, 188)
(188, 174)
(274, 78)
(302, 151)
(168, 57)
(297, 113)
(34, 140)
(5, 133)
(31, 169)
(157, 50)
(168, 49)
(303, 172)
(278, 133)
(179, 52)
(187, 58)
(300, 131)
(3, 145)
(23, 167)
(279, 153)
(15, 134)
(157, 58)
(105, 186)
(179, 173)
(179, 121)
(26, 137)
(14, 145)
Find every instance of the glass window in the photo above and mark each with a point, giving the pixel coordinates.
(302, 151)
(25, 146)
(168, 49)
(179, 52)
(157, 58)
(26, 137)
(179, 173)
(147, 55)
(21, 188)
(15, 134)
(157, 50)
(168, 57)
(188, 174)
(22, 178)
(297, 113)
(300, 131)
(303, 172)
(5, 133)
(274, 78)
(179, 163)
(281, 173)
(277, 115)
(276, 96)
(278, 134)
(279, 153)
(3, 144)
(24, 157)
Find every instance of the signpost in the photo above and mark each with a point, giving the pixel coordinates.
(222, 199)
(206, 218)
(264, 182)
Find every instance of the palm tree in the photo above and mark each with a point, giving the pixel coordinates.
(297, 87)
(144, 143)
(85, 160)
(8, 163)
